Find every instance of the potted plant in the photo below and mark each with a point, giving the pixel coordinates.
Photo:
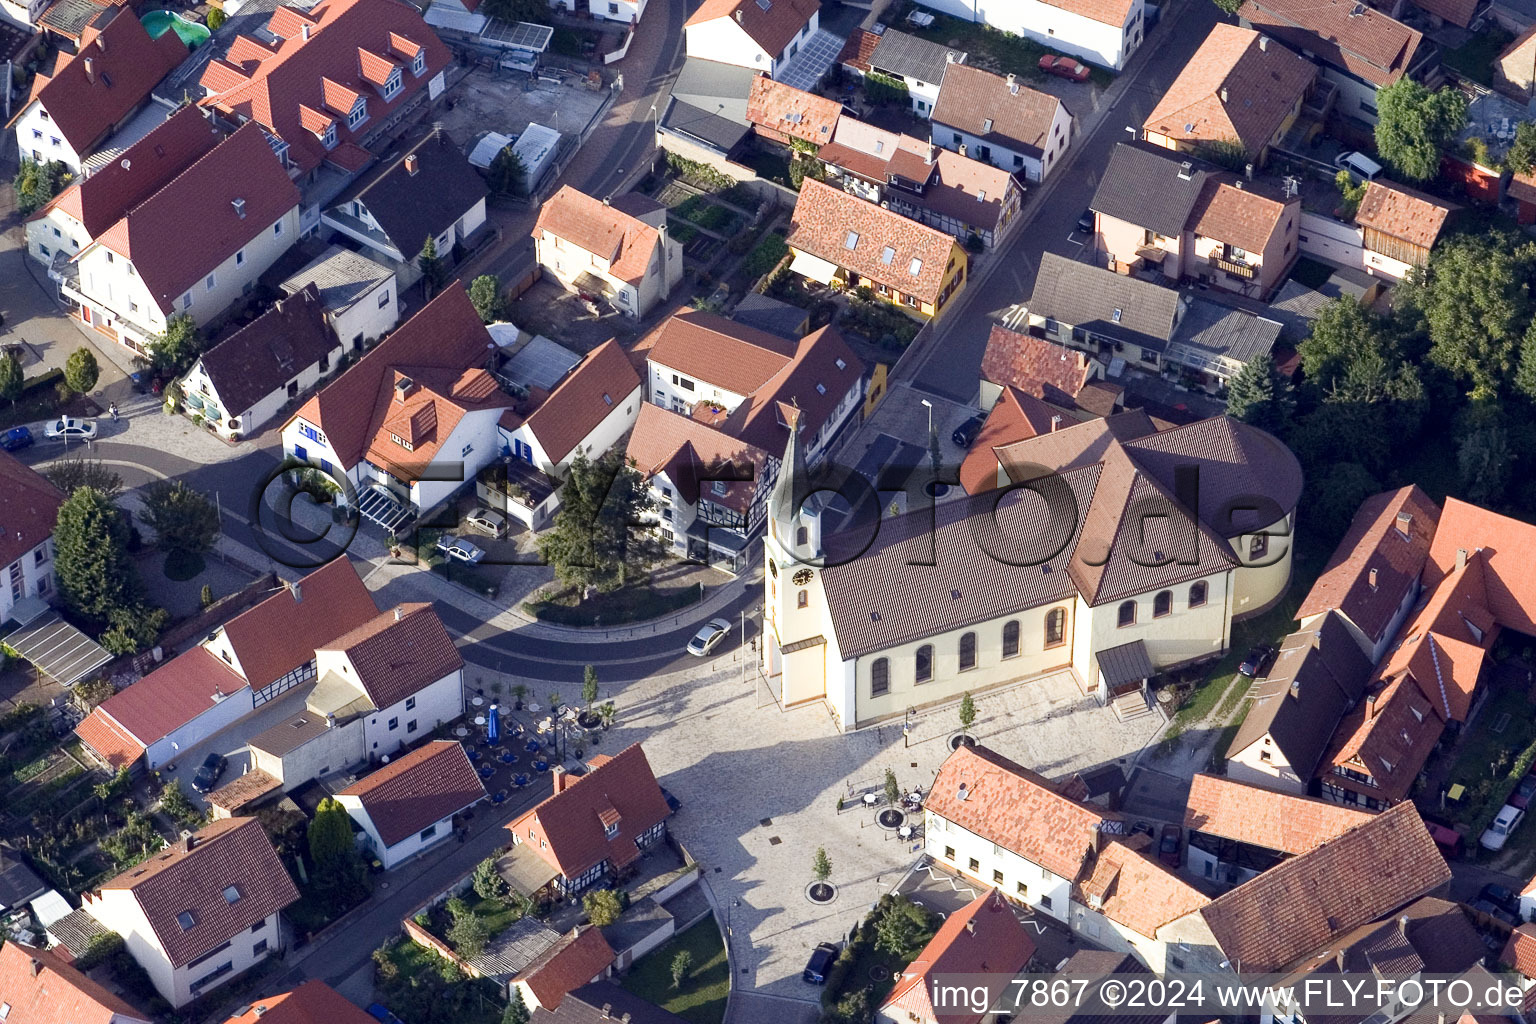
(519, 691)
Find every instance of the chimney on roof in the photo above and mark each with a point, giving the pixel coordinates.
(1263, 43)
(1339, 959)
(1186, 170)
(625, 1019)
(1372, 579)
(1461, 558)
(1296, 688)
(738, 15)
(1404, 521)
(1223, 94)
(90, 70)
(1013, 83)
(261, 1009)
(606, 1007)
(37, 967)
(1402, 924)
(970, 926)
(560, 777)
(304, 30)
(330, 720)
(403, 387)
(1055, 424)
(1247, 173)
(239, 205)
(949, 56)
(191, 842)
(412, 164)
(397, 613)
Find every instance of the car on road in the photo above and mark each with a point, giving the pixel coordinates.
(673, 803)
(70, 429)
(16, 439)
(1257, 661)
(1501, 896)
(488, 521)
(208, 775)
(1508, 819)
(1064, 67)
(1170, 847)
(708, 637)
(1521, 797)
(461, 548)
(966, 432)
(1085, 221)
(820, 963)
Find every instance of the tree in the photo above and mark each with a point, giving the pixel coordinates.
(1521, 157)
(81, 371)
(12, 379)
(508, 175)
(1259, 395)
(602, 906)
(600, 537)
(903, 928)
(821, 864)
(607, 711)
(681, 964)
(854, 1007)
(1483, 453)
(1351, 193)
(485, 294)
(36, 183)
(330, 844)
(1228, 6)
(175, 803)
(534, 11)
(967, 712)
(133, 628)
(184, 519)
(114, 787)
(468, 933)
(69, 475)
(892, 788)
(1477, 307)
(589, 686)
(1343, 327)
(1525, 372)
(1336, 494)
(175, 349)
(1415, 125)
(90, 541)
(517, 1010)
(216, 19)
(433, 273)
(487, 881)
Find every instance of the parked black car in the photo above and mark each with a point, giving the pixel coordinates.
(1257, 661)
(966, 432)
(820, 963)
(208, 775)
(1086, 221)
(1501, 896)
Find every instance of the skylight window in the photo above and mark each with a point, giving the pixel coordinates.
(887, 255)
(879, 145)
(186, 919)
(851, 241)
(916, 267)
(981, 196)
(607, 399)
(1115, 316)
(842, 365)
(821, 389)
(231, 894)
(986, 125)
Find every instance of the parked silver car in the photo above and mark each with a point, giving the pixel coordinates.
(461, 548)
(488, 521)
(1509, 819)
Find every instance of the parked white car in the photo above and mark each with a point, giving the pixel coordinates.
(708, 637)
(462, 548)
(68, 428)
(1498, 833)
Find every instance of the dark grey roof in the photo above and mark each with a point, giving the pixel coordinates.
(897, 589)
(1145, 185)
(271, 350)
(19, 884)
(1328, 671)
(75, 930)
(1212, 330)
(714, 88)
(913, 57)
(719, 133)
(1098, 300)
(771, 315)
(586, 1005)
(1127, 663)
(341, 275)
(1103, 780)
(410, 207)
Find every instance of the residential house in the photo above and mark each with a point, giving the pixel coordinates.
(1104, 32)
(580, 958)
(955, 194)
(87, 208)
(619, 251)
(29, 506)
(129, 281)
(1514, 70)
(596, 825)
(414, 420)
(1358, 51)
(1376, 573)
(324, 82)
(1001, 121)
(1148, 327)
(838, 237)
(1164, 217)
(1319, 674)
(1014, 415)
(1400, 225)
(39, 986)
(1239, 94)
(1091, 965)
(916, 63)
(238, 666)
(1236, 830)
(370, 700)
(705, 117)
(19, 884)
(983, 938)
(785, 114)
(246, 379)
(600, 1002)
(425, 189)
(1048, 372)
(1528, 901)
(871, 645)
(360, 297)
(201, 912)
(313, 1002)
(764, 35)
(69, 114)
(408, 806)
(1133, 903)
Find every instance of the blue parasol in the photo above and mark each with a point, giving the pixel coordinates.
(493, 725)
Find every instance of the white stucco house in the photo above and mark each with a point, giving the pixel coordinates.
(1001, 121)
(200, 912)
(1105, 32)
(408, 806)
(618, 250)
(764, 35)
(29, 505)
(587, 412)
(360, 296)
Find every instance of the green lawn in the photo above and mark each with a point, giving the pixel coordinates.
(1487, 759)
(630, 604)
(701, 1000)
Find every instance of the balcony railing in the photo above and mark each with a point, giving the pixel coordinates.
(1242, 270)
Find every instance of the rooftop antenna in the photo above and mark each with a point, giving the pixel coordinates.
(1291, 185)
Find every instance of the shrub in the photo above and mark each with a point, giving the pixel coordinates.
(216, 18)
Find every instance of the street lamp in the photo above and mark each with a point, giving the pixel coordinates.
(929, 406)
(906, 728)
(656, 117)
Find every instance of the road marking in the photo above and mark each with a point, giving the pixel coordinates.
(1016, 315)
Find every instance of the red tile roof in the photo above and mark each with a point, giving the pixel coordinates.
(1015, 808)
(771, 24)
(313, 1002)
(720, 352)
(785, 110)
(1241, 215)
(1401, 212)
(29, 505)
(1388, 736)
(138, 173)
(281, 633)
(1015, 416)
(807, 389)
(1457, 12)
(399, 652)
(989, 106)
(588, 394)
(435, 348)
(231, 854)
(425, 786)
(154, 235)
(114, 71)
(1377, 562)
(1283, 822)
(1510, 586)
(857, 50)
(1369, 44)
(983, 938)
(1300, 904)
(826, 219)
(627, 243)
(1105, 12)
(580, 957)
(40, 987)
(308, 72)
(691, 453)
(172, 695)
(1441, 646)
(1136, 891)
(1035, 366)
(1520, 950)
(567, 826)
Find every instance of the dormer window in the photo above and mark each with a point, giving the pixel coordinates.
(611, 831)
(359, 112)
(419, 62)
(329, 138)
(392, 85)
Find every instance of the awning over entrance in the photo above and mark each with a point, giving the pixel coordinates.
(1127, 663)
(524, 870)
(57, 649)
(813, 267)
(380, 506)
